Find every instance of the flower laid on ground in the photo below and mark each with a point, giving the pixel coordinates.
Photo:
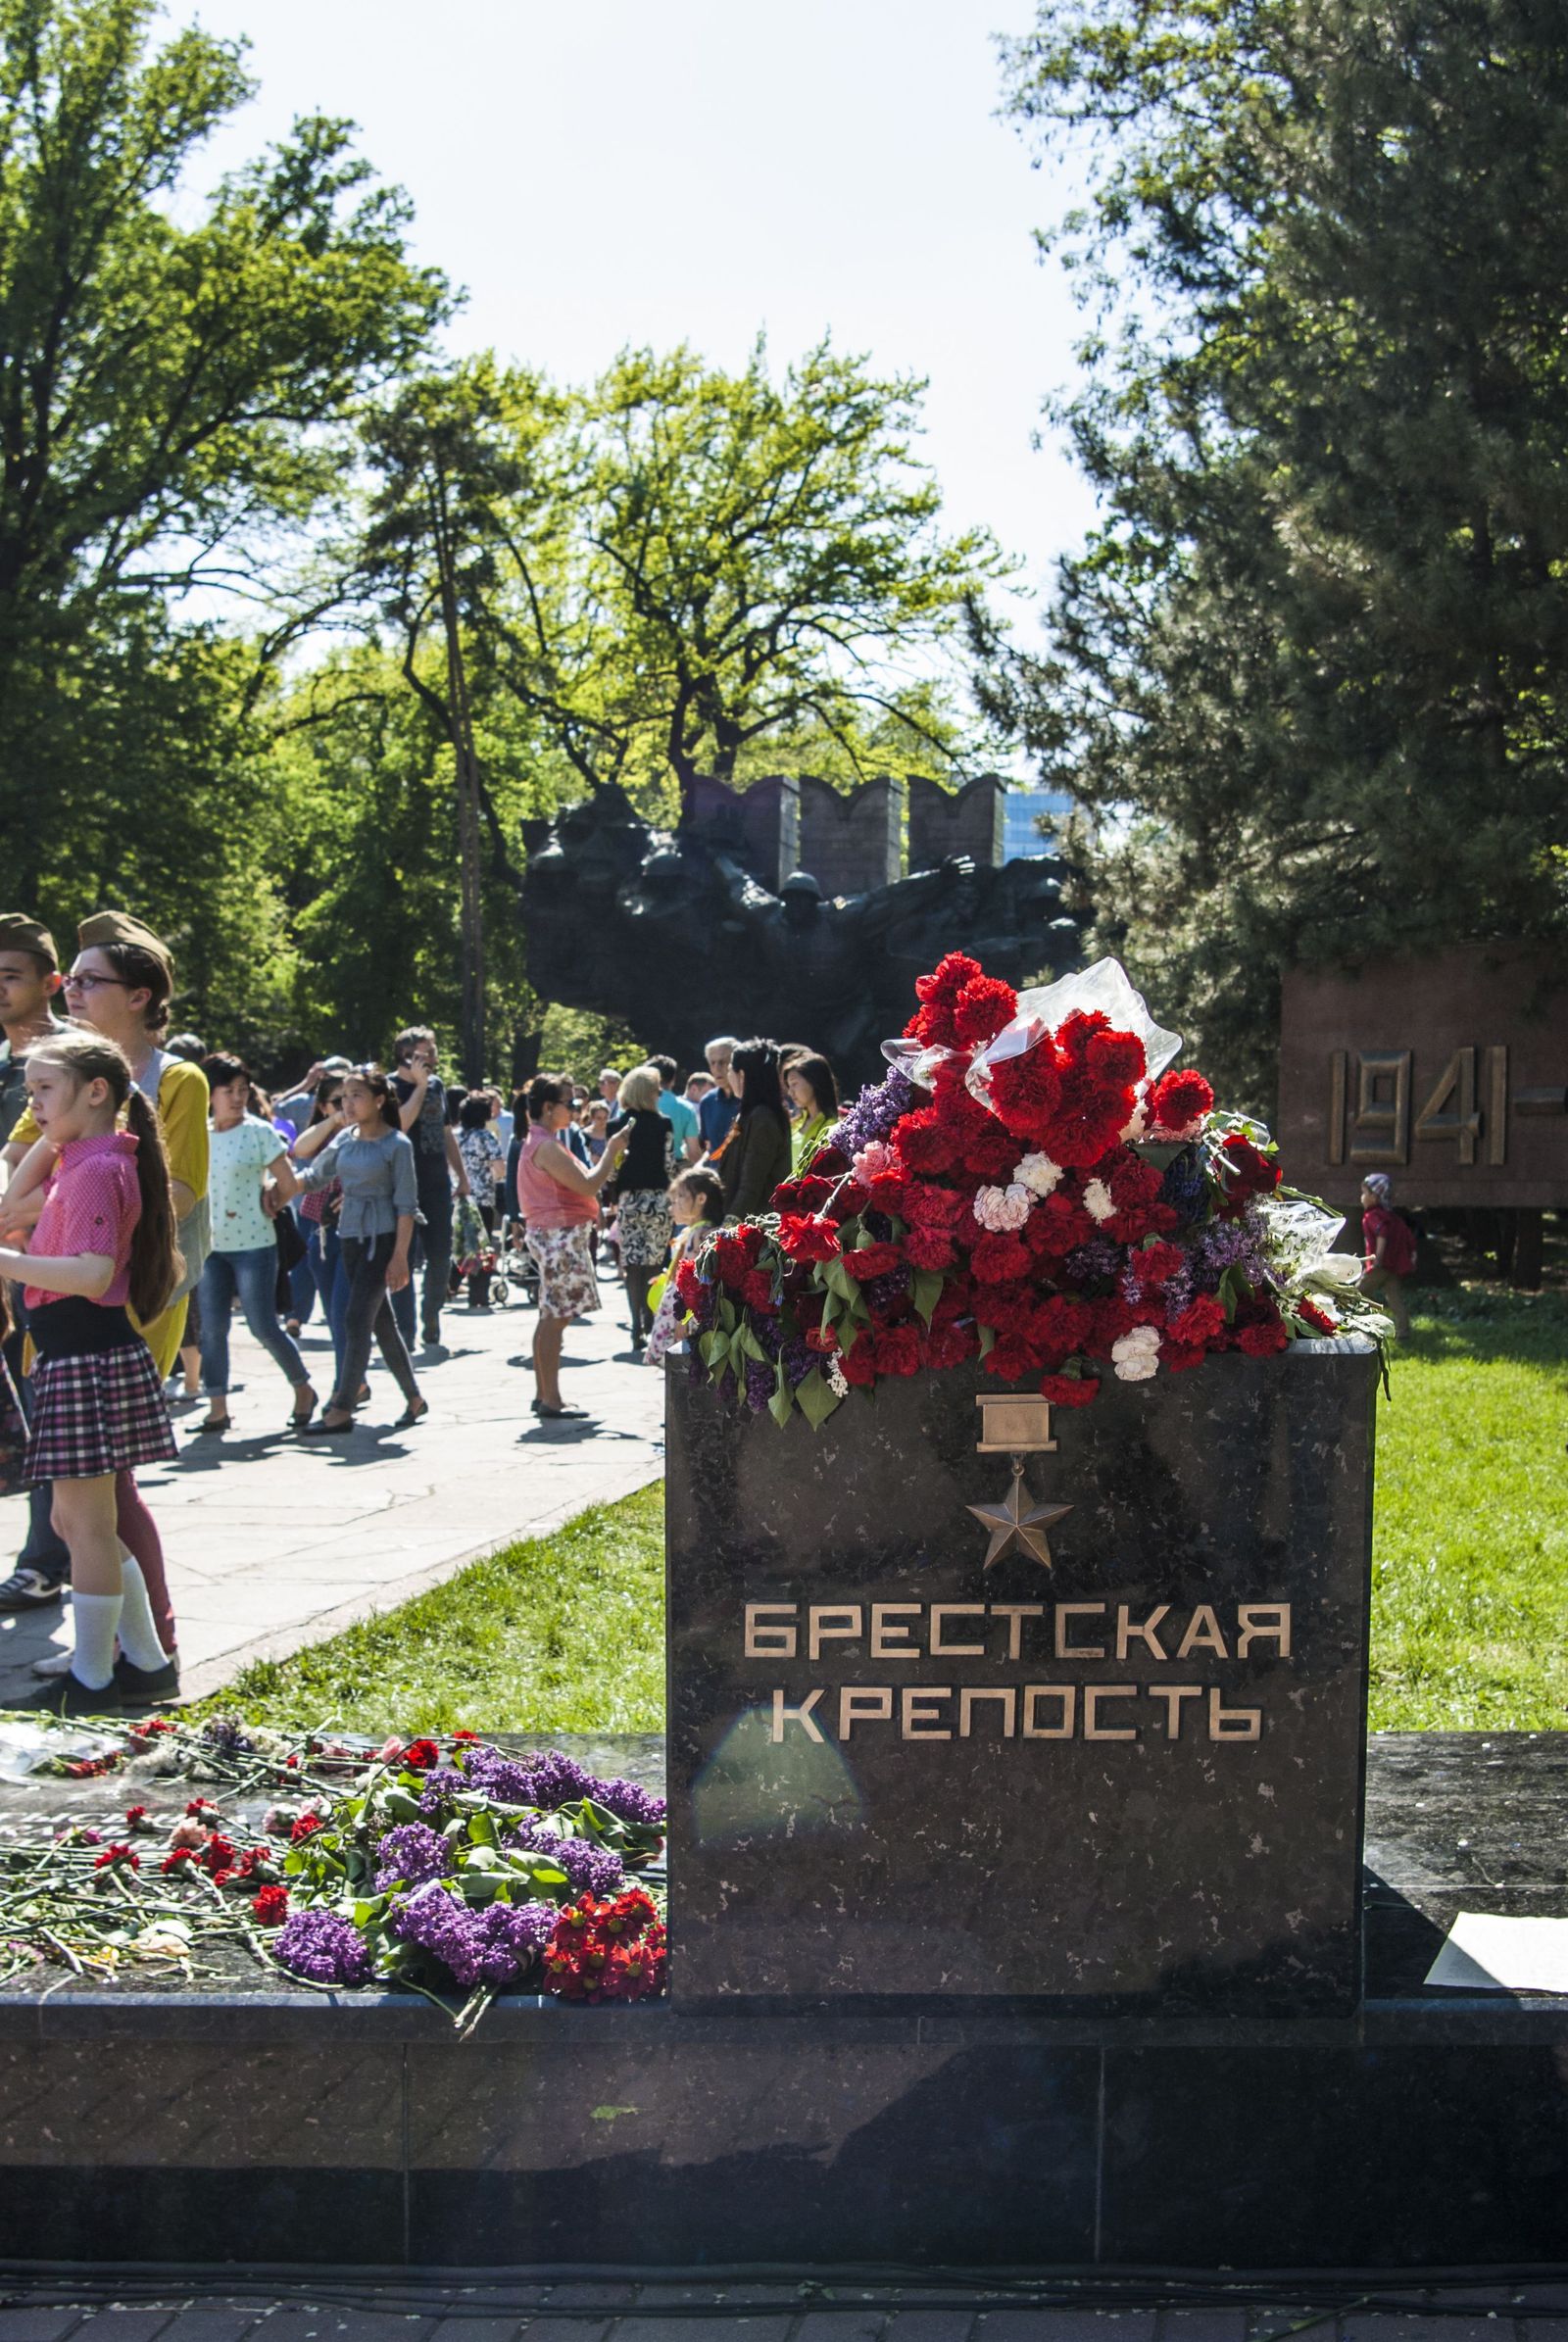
(1033, 1187)
(440, 1866)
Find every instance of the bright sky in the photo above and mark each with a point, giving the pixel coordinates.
(602, 173)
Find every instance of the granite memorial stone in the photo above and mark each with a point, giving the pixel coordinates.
(973, 1696)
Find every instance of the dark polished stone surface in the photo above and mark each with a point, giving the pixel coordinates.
(1425, 2127)
(1131, 1848)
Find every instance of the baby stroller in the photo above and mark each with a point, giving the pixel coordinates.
(519, 1266)
(478, 1262)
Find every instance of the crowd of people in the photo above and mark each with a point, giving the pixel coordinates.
(153, 1188)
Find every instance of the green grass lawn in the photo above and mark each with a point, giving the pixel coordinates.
(1470, 1556)
(1470, 1603)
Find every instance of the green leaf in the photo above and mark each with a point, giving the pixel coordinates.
(817, 1398)
(926, 1291)
(988, 1340)
(781, 1406)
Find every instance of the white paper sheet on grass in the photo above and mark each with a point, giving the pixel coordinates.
(1484, 1953)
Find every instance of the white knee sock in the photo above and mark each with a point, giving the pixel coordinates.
(97, 1620)
(138, 1637)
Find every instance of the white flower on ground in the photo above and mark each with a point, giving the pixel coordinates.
(1136, 1356)
(998, 1208)
(1098, 1200)
(1039, 1174)
(838, 1382)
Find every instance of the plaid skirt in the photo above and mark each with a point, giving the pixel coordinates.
(101, 1412)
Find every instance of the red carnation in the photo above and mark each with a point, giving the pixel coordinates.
(1157, 1263)
(1115, 1057)
(1011, 1357)
(1318, 1319)
(982, 1008)
(1202, 1321)
(136, 1816)
(1069, 1390)
(928, 1205)
(1262, 1337)
(884, 1193)
(1066, 1322)
(218, 1853)
(1178, 1356)
(949, 1344)
(178, 1860)
(997, 1256)
(821, 1339)
(757, 1290)
(1178, 1101)
(856, 1364)
(305, 1827)
(421, 1755)
(1025, 1090)
(114, 1858)
(896, 1349)
(926, 1141)
(271, 1906)
(871, 1260)
(689, 1284)
(928, 1248)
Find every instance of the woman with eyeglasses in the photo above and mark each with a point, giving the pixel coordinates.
(122, 983)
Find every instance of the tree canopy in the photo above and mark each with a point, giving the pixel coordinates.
(1308, 678)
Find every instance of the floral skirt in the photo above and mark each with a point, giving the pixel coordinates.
(103, 1412)
(644, 1221)
(568, 1285)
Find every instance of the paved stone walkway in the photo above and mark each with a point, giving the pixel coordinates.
(274, 1542)
(349, 2311)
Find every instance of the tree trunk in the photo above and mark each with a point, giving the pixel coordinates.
(471, 1031)
(1528, 1244)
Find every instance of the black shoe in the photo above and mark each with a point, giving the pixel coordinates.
(69, 1695)
(146, 1687)
(33, 1585)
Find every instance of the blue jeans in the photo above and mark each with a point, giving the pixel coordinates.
(432, 1250)
(324, 1255)
(370, 1314)
(253, 1276)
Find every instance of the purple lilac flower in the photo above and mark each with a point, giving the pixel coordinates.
(882, 1292)
(224, 1736)
(323, 1948)
(629, 1801)
(490, 1946)
(442, 1786)
(555, 1778)
(412, 1854)
(874, 1112)
(1100, 1257)
(728, 1387)
(797, 1361)
(761, 1384)
(508, 1779)
(1185, 1188)
(1233, 1244)
(590, 1870)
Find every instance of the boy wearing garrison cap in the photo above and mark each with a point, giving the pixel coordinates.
(29, 984)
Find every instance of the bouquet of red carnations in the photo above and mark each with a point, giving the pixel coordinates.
(1030, 1186)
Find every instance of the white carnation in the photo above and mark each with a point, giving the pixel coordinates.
(1039, 1174)
(1136, 1356)
(999, 1208)
(1098, 1201)
(1136, 1128)
(838, 1382)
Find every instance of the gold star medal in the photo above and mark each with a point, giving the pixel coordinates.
(1015, 1520)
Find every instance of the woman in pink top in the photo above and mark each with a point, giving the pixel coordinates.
(559, 1202)
(104, 1238)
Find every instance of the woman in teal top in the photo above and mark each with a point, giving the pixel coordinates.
(813, 1094)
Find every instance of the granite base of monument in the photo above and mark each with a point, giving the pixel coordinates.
(274, 2126)
(970, 1696)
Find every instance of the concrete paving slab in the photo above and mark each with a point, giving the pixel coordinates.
(273, 1542)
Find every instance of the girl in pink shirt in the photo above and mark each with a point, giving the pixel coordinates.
(104, 1238)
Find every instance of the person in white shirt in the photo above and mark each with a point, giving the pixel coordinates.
(243, 1262)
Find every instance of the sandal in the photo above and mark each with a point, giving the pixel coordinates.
(214, 1428)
